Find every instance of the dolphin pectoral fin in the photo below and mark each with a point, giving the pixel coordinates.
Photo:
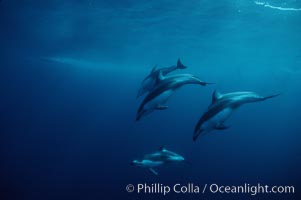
(153, 171)
(221, 127)
(161, 107)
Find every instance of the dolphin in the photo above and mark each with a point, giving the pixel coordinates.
(222, 107)
(164, 155)
(158, 158)
(157, 98)
(150, 81)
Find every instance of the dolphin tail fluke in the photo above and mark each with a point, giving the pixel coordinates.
(197, 80)
(271, 96)
(180, 65)
(153, 171)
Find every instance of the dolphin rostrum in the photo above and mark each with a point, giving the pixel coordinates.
(157, 98)
(150, 81)
(158, 158)
(222, 107)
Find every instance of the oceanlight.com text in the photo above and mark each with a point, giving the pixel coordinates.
(213, 188)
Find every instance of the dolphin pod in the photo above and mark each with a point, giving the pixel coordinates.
(159, 87)
(158, 158)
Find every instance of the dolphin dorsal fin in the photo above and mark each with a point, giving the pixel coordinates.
(216, 95)
(162, 148)
(154, 69)
(180, 65)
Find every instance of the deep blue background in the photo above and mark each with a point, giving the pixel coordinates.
(70, 70)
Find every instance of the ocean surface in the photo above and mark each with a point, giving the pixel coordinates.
(70, 72)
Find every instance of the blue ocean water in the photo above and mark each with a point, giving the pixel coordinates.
(70, 71)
